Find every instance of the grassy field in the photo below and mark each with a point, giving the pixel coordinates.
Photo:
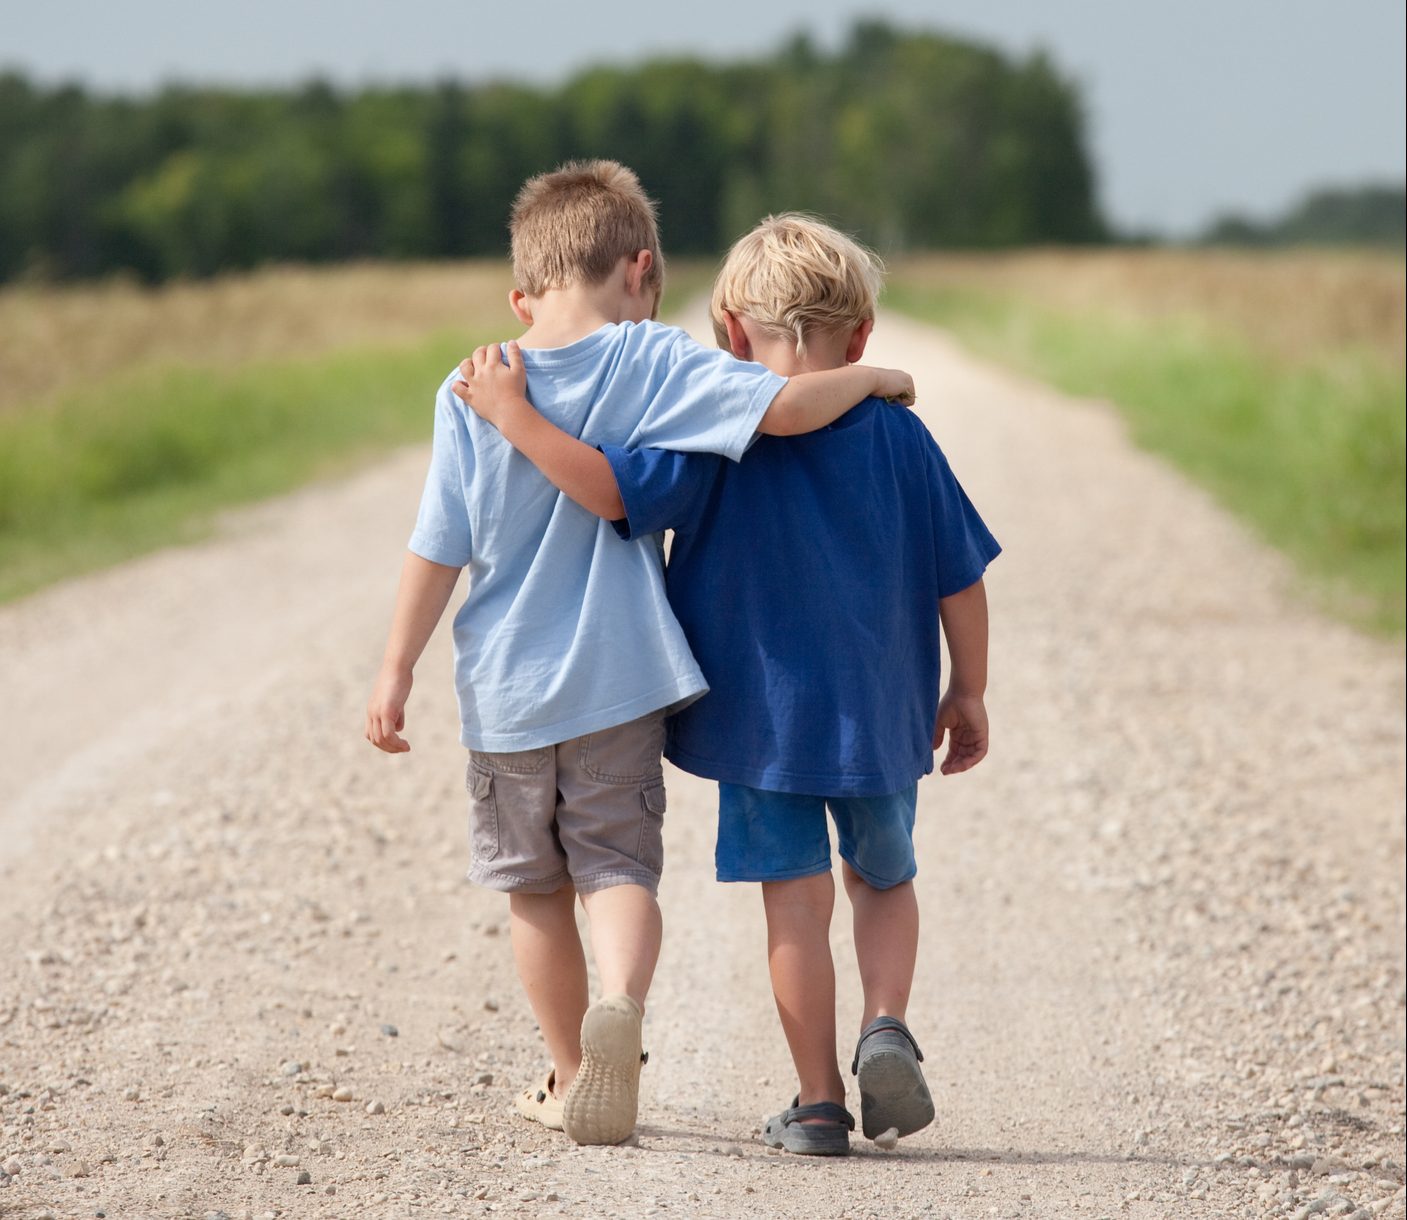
(1274, 380)
(129, 417)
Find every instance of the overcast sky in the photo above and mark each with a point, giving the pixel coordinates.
(1196, 106)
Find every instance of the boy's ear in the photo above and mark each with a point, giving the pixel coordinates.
(518, 303)
(738, 342)
(636, 269)
(856, 347)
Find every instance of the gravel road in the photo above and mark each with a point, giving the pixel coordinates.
(1162, 971)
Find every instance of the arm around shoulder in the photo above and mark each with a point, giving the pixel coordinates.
(812, 400)
(497, 392)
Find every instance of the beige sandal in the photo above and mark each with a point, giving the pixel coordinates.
(600, 1106)
(541, 1105)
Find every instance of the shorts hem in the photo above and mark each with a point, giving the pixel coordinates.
(592, 882)
(879, 883)
(810, 870)
(511, 883)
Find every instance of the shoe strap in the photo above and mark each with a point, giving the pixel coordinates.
(878, 1026)
(826, 1110)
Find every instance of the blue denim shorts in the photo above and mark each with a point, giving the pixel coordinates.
(775, 836)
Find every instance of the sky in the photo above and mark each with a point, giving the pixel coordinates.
(1196, 107)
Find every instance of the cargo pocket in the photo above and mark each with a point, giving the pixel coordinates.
(483, 814)
(652, 805)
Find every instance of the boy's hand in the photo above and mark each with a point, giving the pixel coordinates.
(895, 385)
(964, 719)
(489, 387)
(385, 712)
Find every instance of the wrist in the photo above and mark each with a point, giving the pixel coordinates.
(396, 665)
(511, 415)
(966, 688)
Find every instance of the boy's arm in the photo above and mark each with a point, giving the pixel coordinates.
(424, 592)
(962, 714)
(498, 393)
(812, 400)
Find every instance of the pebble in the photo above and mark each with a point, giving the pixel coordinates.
(291, 1067)
(490, 1005)
(888, 1140)
(375, 1107)
(304, 1179)
(342, 1094)
(390, 1031)
(285, 1161)
(484, 1078)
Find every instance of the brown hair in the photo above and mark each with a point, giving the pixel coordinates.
(795, 275)
(573, 225)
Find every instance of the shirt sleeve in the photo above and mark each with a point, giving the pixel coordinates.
(709, 402)
(660, 488)
(441, 532)
(963, 543)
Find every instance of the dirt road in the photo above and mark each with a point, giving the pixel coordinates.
(1162, 964)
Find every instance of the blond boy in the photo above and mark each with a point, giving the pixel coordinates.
(566, 654)
(810, 580)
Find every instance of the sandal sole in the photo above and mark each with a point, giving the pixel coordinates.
(893, 1093)
(601, 1105)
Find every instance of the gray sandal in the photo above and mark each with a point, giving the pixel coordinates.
(790, 1130)
(893, 1092)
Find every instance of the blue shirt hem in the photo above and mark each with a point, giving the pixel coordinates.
(774, 779)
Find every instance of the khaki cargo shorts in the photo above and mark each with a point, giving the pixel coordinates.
(589, 811)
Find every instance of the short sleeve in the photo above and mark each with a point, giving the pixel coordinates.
(660, 488)
(441, 532)
(709, 402)
(963, 543)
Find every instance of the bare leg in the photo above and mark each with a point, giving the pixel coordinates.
(803, 979)
(625, 939)
(552, 967)
(886, 944)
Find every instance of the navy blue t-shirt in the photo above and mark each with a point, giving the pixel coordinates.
(807, 578)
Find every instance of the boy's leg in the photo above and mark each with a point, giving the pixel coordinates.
(803, 980)
(610, 816)
(876, 842)
(625, 939)
(886, 943)
(552, 967)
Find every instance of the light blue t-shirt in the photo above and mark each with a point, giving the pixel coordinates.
(566, 631)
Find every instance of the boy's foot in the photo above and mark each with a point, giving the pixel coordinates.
(893, 1092)
(830, 1136)
(601, 1104)
(540, 1105)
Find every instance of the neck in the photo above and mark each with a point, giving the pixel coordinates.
(563, 315)
(779, 354)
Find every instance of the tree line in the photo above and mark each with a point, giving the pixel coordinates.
(1374, 214)
(909, 139)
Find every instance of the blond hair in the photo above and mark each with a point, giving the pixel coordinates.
(573, 225)
(795, 276)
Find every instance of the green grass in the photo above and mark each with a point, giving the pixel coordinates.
(1309, 451)
(147, 458)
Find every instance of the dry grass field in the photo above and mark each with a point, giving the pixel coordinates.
(1291, 303)
(55, 339)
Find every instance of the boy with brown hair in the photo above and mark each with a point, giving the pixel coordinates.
(566, 654)
(810, 580)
